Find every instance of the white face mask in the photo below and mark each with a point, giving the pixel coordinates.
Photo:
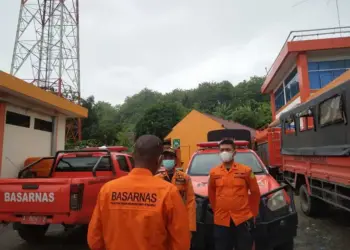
(226, 156)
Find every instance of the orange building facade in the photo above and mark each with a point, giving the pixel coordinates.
(307, 63)
(193, 129)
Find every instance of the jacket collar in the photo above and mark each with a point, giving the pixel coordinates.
(141, 171)
(234, 166)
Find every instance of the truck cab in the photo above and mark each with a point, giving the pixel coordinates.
(276, 224)
(67, 195)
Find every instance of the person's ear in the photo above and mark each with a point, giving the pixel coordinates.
(160, 160)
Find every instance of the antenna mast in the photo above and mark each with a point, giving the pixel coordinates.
(46, 51)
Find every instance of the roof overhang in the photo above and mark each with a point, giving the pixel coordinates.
(12, 88)
(288, 55)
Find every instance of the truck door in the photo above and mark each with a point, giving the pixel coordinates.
(123, 166)
(104, 174)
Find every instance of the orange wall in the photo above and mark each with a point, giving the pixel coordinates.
(192, 130)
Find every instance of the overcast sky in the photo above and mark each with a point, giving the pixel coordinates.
(127, 45)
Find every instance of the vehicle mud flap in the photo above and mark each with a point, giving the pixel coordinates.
(203, 238)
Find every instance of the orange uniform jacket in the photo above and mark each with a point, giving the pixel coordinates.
(184, 184)
(139, 212)
(229, 197)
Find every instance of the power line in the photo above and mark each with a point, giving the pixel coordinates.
(338, 13)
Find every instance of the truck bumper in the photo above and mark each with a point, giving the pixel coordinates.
(273, 228)
(72, 218)
(266, 235)
(275, 233)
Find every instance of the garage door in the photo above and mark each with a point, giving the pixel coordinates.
(27, 134)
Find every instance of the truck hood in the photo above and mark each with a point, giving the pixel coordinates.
(266, 183)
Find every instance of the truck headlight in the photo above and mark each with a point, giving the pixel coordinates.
(277, 201)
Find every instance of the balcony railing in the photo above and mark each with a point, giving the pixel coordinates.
(314, 34)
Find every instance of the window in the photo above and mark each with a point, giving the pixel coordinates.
(292, 85)
(322, 73)
(16, 119)
(42, 125)
(279, 98)
(289, 126)
(132, 161)
(306, 120)
(331, 111)
(82, 164)
(288, 89)
(123, 164)
(203, 163)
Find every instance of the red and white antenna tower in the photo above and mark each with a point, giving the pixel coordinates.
(46, 51)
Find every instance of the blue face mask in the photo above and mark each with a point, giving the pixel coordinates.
(168, 164)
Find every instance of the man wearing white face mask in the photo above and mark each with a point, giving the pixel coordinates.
(234, 208)
(182, 181)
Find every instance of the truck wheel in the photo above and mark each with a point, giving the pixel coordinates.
(286, 246)
(311, 206)
(32, 233)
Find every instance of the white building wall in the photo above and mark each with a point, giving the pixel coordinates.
(322, 58)
(21, 142)
(61, 132)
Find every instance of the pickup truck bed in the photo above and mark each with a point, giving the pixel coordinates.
(67, 196)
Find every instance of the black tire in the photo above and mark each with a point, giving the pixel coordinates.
(32, 234)
(289, 245)
(311, 206)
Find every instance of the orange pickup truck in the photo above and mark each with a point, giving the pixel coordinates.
(66, 196)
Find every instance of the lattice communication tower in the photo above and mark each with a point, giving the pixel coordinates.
(46, 51)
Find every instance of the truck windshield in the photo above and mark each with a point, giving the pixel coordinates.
(202, 163)
(80, 164)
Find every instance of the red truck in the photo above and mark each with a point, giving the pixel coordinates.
(268, 147)
(276, 224)
(316, 154)
(67, 195)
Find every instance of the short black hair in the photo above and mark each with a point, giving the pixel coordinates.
(147, 149)
(227, 141)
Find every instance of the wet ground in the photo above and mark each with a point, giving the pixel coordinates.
(327, 233)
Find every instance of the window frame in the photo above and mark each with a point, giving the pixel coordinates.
(304, 116)
(289, 120)
(131, 161)
(321, 68)
(38, 122)
(126, 161)
(292, 78)
(14, 114)
(343, 111)
(277, 94)
(85, 170)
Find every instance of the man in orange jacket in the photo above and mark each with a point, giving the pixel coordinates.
(138, 211)
(234, 208)
(182, 181)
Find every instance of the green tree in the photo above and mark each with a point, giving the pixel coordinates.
(152, 112)
(159, 119)
(223, 111)
(245, 115)
(135, 106)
